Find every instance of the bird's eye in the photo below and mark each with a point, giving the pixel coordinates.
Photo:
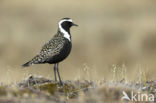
(70, 23)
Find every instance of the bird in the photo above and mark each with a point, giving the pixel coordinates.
(56, 49)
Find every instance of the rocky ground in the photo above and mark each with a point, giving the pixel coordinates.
(41, 90)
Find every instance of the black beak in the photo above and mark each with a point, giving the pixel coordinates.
(74, 24)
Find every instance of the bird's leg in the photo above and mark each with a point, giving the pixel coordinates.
(59, 75)
(55, 69)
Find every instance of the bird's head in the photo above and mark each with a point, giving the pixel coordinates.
(65, 24)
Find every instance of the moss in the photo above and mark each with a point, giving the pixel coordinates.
(71, 91)
(49, 87)
(23, 92)
(68, 90)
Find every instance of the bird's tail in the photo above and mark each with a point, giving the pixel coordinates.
(27, 64)
(35, 60)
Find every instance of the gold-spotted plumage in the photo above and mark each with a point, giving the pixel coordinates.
(57, 49)
(50, 49)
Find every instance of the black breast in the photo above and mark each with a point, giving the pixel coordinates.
(64, 52)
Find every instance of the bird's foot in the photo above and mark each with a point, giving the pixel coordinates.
(61, 83)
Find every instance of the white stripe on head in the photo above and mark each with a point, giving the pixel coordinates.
(66, 34)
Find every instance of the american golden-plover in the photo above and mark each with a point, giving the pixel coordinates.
(57, 49)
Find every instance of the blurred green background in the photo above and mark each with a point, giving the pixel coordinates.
(112, 35)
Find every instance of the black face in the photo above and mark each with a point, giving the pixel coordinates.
(66, 25)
